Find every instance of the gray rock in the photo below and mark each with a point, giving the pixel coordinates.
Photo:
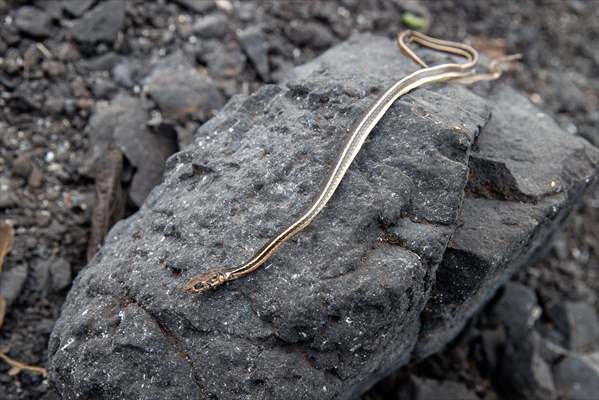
(12, 281)
(199, 6)
(36, 178)
(338, 307)
(180, 91)
(579, 324)
(255, 45)
(526, 176)
(123, 122)
(33, 21)
(493, 341)
(76, 8)
(22, 166)
(515, 309)
(8, 199)
(309, 34)
(53, 68)
(225, 63)
(104, 62)
(212, 26)
(430, 389)
(60, 274)
(102, 23)
(103, 88)
(524, 373)
(39, 276)
(121, 73)
(577, 377)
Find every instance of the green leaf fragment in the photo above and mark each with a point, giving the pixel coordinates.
(413, 21)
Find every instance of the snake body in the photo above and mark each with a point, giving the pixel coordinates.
(359, 133)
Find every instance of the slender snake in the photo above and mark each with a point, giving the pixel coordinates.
(464, 73)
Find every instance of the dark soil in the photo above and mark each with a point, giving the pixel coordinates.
(52, 77)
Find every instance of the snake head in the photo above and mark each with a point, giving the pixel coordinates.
(206, 281)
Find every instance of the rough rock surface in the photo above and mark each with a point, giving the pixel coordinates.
(251, 170)
(526, 175)
(339, 306)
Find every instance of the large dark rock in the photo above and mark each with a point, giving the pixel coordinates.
(339, 306)
(526, 175)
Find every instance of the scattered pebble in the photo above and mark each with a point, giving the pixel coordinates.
(255, 45)
(60, 274)
(102, 23)
(579, 323)
(577, 378)
(12, 281)
(33, 21)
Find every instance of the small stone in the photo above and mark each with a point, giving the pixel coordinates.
(181, 91)
(52, 8)
(309, 34)
(60, 274)
(579, 324)
(493, 343)
(213, 26)
(32, 57)
(198, 6)
(54, 104)
(12, 281)
(76, 8)
(53, 68)
(577, 378)
(430, 389)
(68, 51)
(226, 63)
(524, 372)
(7, 199)
(35, 178)
(79, 87)
(515, 309)
(12, 62)
(123, 122)
(122, 74)
(33, 21)
(22, 166)
(39, 270)
(102, 23)
(104, 62)
(103, 88)
(43, 219)
(255, 45)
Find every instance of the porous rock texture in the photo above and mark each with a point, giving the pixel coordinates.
(339, 306)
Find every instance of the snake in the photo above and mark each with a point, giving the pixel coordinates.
(464, 72)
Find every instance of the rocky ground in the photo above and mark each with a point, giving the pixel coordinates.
(69, 68)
